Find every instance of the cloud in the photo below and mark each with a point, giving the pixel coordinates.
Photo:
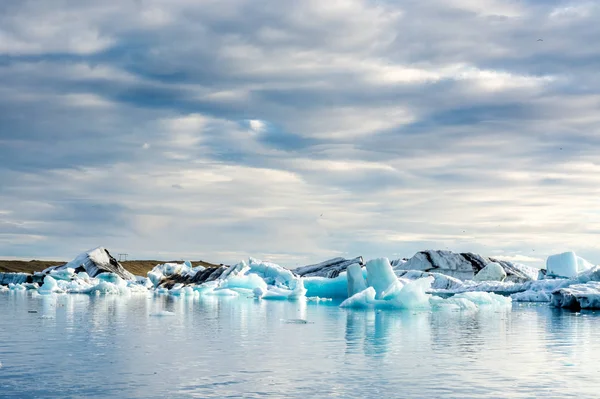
(222, 129)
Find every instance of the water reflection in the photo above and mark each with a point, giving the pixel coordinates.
(226, 347)
(375, 333)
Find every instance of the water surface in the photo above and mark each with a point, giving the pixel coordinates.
(109, 346)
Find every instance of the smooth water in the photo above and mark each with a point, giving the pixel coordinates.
(108, 346)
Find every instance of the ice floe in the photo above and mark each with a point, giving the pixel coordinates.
(429, 280)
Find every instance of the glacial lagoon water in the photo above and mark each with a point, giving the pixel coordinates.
(79, 346)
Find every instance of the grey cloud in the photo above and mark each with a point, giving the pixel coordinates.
(453, 113)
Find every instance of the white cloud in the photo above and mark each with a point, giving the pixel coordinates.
(407, 125)
(257, 125)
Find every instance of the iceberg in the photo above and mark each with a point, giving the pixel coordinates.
(355, 280)
(173, 273)
(463, 266)
(324, 287)
(50, 286)
(413, 295)
(380, 275)
(93, 262)
(14, 278)
(330, 268)
(578, 296)
(566, 265)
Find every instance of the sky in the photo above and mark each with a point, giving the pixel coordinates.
(299, 131)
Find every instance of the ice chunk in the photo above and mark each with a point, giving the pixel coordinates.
(363, 299)
(274, 292)
(562, 265)
(250, 281)
(180, 272)
(162, 313)
(486, 299)
(15, 278)
(50, 285)
(108, 283)
(17, 287)
(327, 287)
(412, 295)
(578, 296)
(440, 281)
(583, 265)
(273, 274)
(380, 275)
(318, 299)
(355, 280)
(491, 272)
(96, 261)
(66, 274)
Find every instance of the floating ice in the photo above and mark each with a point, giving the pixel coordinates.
(14, 278)
(413, 295)
(578, 296)
(50, 285)
(16, 287)
(295, 321)
(567, 264)
(440, 281)
(94, 262)
(327, 287)
(318, 299)
(330, 268)
(162, 313)
(250, 281)
(491, 272)
(380, 275)
(463, 266)
(562, 265)
(356, 280)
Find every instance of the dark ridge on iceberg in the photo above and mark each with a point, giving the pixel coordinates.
(476, 261)
(202, 276)
(463, 266)
(94, 262)
(330, 268)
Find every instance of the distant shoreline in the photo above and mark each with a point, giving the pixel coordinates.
(137, 267)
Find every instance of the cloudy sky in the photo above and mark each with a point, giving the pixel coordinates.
(299, 131)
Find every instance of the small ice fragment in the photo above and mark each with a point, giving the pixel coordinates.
(162, 313)
(295, 321)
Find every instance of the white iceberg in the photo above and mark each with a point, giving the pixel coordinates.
(380, 275)
(566, 265)
(355, 280)
(491, 272)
